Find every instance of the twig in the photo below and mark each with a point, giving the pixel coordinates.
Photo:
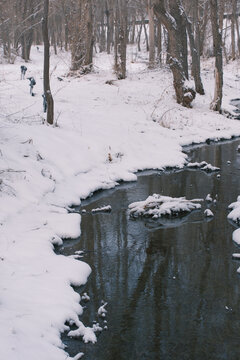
(11, 170)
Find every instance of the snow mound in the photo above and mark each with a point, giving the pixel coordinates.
(203, 166)
(234, 215)
(157, 205)
(208, 212)
(209, 198)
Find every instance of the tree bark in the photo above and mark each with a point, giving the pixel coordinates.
(217, 48)
(233, 47)
(120, 43)
(196, 72)
(110, 25)
(46, 80)
(184, 93)
(159, 42)
(151, 35)
(176, 11)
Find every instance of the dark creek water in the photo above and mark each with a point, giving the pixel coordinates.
(171, 285)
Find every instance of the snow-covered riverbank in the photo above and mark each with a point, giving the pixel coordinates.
(105, 133)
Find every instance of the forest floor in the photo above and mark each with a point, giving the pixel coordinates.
(103, 134)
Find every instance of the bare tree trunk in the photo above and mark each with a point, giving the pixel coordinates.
(233, 33)
(110, 25)
(221, 7)
(203, 27)
(217, 46)
(46, 80)
(132, 39)
(139, 38)
(145, 32)
(196, 72)
(89, 35)
(234, 2)
(66, 32)
(82, 36)
(159, 42)
(116, 39)
(176, 10)
(102, 42)
(151, 35)
(224, 37)
(120, 43)
(123, 37)
(26, 37)
(184, 94)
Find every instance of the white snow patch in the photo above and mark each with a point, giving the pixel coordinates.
(102, 311)
(106, 208)
(157, 205)
(208, 212)
(87, 333)
(85, 297)
(209, 198)
(234, 215)
(203, 166)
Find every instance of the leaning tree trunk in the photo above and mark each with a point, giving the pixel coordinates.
(217, 47)
(46, 80)
(184, 93)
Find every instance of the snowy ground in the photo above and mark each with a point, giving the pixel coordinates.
(105, 133)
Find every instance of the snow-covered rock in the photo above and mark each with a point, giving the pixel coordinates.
(234, 215)
(208, 212)
(85, 297)
(209, 198)
(102, 311)
(157, 205)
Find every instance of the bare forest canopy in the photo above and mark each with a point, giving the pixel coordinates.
(176, 33)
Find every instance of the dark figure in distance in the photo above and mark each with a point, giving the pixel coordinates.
(23, 71)
(32, 83)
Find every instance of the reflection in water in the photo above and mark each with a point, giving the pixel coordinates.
(171, 285)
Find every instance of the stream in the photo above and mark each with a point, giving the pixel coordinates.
(171, 285)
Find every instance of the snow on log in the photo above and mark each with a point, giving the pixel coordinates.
(203, 166)
(157, 205)
(106, 208)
